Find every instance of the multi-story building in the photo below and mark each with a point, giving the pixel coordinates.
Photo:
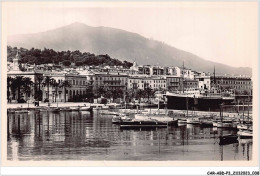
(241, 85)
(56, 93)
(190, 84)
(107, 80)
(143, 81)
(78, 85)
(173, 82)
(203, 81)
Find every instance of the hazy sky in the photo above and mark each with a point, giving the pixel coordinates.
(224, 32)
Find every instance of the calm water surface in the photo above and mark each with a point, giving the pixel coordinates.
(91, 136)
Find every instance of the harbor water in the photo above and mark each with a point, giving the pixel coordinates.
(92, 136)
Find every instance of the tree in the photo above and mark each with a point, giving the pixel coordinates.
(65, 84)
(27, 83)
(47, 82)
(245, 92)
(17, 84)
(139, 94)
(56, 85)
(101, 91)
(149, 92)
(39, 79)
(9, 83)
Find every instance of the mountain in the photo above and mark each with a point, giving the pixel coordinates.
(119, 44)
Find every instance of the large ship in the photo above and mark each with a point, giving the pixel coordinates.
(197, 100)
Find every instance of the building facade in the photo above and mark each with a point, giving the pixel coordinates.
(241, 85)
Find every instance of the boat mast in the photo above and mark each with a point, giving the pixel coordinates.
(243, 110)
(183, 76)
(248, 109)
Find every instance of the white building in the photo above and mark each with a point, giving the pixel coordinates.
(143, 81)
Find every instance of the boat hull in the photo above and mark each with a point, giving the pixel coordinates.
(199, 104)
(227, 139)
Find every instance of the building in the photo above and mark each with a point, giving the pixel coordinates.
(144, 81)
(109, 81)
(204, 82)
(240, 85)
(78, 85)
(25, 94)
(56, 92)
(173, 82)
(190, 84)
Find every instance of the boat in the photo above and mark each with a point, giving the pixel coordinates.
(75, 108)
(182, 121)
(225, 124)
(202, 101)
(121, 118)
(157, 117)
(56, 110)
(242, 126)
(193, 120)
(85, 108)
(248, 133)
(142, 124)
(206, 123)
(107, 112)
(227, 139)
(215, 123)
(245, 134)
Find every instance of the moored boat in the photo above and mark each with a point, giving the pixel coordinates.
(227, 139)
(193, 120)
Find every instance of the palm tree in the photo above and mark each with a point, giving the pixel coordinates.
(47, 81)
(9, 83)
(56, 85)
(17, 84)
(65, 84)
(39, 79)
(27, 83)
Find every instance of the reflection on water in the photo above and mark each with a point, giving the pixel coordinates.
(85, 136)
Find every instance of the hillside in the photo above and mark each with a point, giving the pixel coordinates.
(119, 44)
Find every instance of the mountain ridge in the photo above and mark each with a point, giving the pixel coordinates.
(119, 44)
